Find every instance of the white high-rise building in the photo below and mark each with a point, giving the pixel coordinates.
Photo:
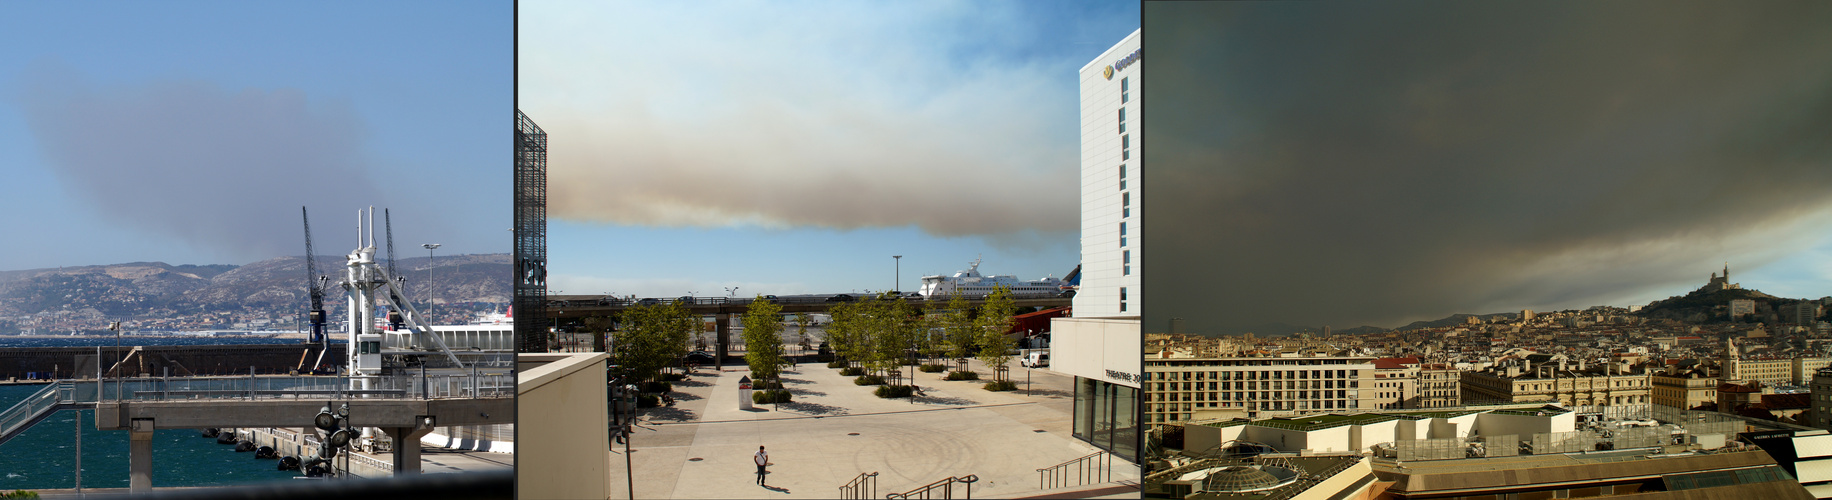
(1100, 345)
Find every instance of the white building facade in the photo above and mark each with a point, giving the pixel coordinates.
(1100, 345)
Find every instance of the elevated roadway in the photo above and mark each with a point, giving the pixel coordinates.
(584, 306)
(722, 308)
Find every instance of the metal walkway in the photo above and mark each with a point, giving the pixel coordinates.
(40, 405)
(70, 395)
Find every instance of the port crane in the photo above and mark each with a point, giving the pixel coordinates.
(314, 283)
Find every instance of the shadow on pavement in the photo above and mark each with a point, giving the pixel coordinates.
(938, 400)
(812, 408)
(691, 383)
(1047, 392)
(682, 396)
(795, 381)
(806, 392)
(670, 414)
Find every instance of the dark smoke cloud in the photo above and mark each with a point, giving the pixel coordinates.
(842, 117)
(1379, 163)
(223, 170)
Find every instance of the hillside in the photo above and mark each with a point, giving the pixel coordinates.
(1700, 306)
(269, 287)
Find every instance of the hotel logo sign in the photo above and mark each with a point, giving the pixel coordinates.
(1120, 375)
(1121, 64)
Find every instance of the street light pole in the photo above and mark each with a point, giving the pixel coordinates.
(116, 326)
(897, 279)
(429, 273)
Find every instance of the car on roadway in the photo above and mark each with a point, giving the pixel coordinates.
(840, 298)
(698, 357)
(1035, 359)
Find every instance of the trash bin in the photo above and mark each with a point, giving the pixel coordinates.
(744, 393)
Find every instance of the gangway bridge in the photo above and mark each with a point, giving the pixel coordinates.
(404, 406)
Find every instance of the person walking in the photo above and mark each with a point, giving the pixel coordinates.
(762, 459)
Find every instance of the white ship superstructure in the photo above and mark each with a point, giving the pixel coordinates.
(971, 284)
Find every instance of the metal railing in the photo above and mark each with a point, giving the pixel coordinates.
(1095, 468)
(860, 488)
(945, 488)
(499, 338)
(378, 464)
(29, 411)
(82, 393)
(411, 386)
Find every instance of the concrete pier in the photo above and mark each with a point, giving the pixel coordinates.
(396, 417)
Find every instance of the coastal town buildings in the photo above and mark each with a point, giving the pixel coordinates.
(1198, 389)
(1556, 378)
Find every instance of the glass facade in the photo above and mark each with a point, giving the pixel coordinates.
(1106, 416)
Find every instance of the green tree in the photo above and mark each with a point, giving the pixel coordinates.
(801, 327)
(958, 333)
(994, 321)
(929, 341)
(763, 338)
(844, 331)
(893, 331)
(653, 337)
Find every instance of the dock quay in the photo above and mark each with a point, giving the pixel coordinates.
(374, 461)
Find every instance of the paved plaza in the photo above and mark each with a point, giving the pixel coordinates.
(834, 430)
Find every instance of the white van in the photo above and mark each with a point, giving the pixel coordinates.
(1035, 359)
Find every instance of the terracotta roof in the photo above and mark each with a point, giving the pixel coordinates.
(1394, 363)
(1728, 387)
(1787, 401)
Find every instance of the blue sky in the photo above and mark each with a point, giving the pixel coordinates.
(795, 147)
(191, 132)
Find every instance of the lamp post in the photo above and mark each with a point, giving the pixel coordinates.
(116, 326)
(731, 291)
(429, 272)
(897, 279)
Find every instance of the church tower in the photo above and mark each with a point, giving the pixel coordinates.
(1730, 360)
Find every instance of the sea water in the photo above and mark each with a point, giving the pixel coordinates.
(44, 456)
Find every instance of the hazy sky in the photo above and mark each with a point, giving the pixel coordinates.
(191, 132)
(1348, 164)
(794, 147)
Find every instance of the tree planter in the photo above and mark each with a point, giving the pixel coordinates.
(894, 391)
(770, 396)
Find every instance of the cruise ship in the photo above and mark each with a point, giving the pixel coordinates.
(971, 284)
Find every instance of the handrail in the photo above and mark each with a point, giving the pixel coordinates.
(855, 489)
(29, 410)
(946, 486)
(370, 461)
(1097, 465)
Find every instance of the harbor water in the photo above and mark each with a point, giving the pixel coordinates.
(44, 456)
